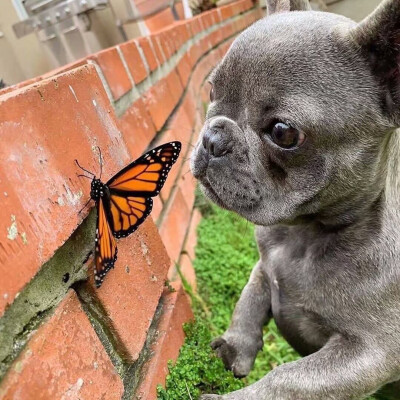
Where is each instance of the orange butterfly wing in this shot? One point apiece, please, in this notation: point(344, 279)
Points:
point(128, 212)
point(146, 176)
point(106, 246)
point(132, 188)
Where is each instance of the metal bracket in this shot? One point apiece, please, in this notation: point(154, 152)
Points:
point(54, 14)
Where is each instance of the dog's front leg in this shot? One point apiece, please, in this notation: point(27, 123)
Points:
point(239, 345)
point(343, 369)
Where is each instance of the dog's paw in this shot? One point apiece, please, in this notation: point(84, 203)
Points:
point(236, 355)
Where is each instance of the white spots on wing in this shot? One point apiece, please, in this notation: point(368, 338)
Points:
point(12, 229)
point(94, 102)
point(73, 92)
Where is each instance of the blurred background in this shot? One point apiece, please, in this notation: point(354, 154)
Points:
point(37, 36)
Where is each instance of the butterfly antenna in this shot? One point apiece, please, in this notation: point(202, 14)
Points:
point(83, 169)
point(101, 162)
point(84, 206)
point(88, 177)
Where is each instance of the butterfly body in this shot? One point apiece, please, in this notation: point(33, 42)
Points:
point(97, 189)
point(125, 201)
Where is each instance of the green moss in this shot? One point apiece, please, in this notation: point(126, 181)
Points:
point(225, 255)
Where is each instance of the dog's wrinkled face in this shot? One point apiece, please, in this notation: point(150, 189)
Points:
point(295, 124)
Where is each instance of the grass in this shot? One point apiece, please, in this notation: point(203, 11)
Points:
point(225, 254)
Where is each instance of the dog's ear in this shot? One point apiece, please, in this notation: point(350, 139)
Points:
point(276, 6)
point(378, 37)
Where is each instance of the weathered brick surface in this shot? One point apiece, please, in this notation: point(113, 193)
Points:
point(148, 51)
point(191, 239)
point(176, 311)
point(131, 291)
point(40, 191)
point(157, 208)
point(155, 40)
point(188, 271)
point(134, 61)
point(137, 128)
point(174, 225)
point(159, 102)
point(114, 71)
point(63, 360)
point(187, 183)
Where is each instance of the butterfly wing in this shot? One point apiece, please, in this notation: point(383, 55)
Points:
point(146, 176)
point(128, 212)
point(106, 246)
point(132, 188)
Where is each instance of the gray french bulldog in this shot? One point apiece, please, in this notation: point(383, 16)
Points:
point(300, 138)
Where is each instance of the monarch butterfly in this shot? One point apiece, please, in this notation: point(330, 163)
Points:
point(125, 201)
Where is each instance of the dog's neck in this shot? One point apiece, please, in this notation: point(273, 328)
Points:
point(380, 203)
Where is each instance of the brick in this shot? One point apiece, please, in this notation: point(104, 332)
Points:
point(179, 129)
point(191, 238)
point(149, 54)
point(187, 184)
point(184, 31)
point(228, 30)
point(226, 12)
point(131, 291)
point(167, 42)
point(176, 312)
point(159, 102)
point(189, 105)
point(137, 128)
point(188, 271)
point(114, 71)
point(157, 208)
point(155, 40)
point(207, 19)
point(160, 20)
point(64, 359)
point(216, 37)
point(174, 225)
point(184, 69)
point(134, 61)
point(195, 52)
point(195, 25)
point(174, 85)
point(40, 192)
point(217, 16)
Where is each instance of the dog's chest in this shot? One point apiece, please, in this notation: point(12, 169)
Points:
point(299, 294)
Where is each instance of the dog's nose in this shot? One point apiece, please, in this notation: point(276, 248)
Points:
point(215, 141)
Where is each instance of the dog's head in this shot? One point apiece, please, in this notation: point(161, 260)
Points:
point(301, 109)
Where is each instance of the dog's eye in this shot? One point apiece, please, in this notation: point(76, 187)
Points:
point(212, 94)
point(286, 136)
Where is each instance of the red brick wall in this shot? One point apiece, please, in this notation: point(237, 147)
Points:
point(60, 337)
